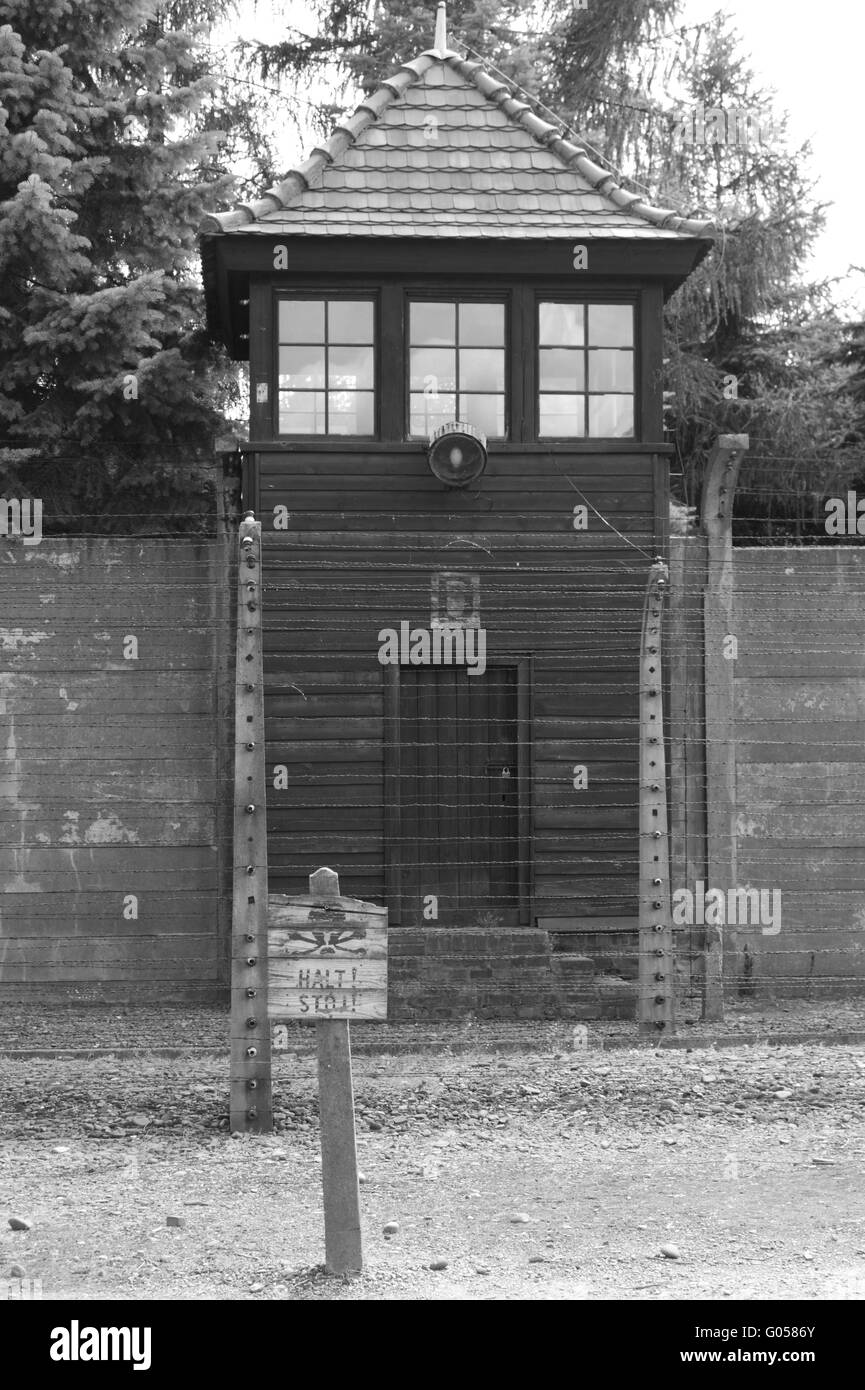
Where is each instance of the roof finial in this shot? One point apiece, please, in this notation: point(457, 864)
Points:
point(440, 43)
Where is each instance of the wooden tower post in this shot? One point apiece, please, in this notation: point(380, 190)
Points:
point(656, 1003)
point(251, 1088)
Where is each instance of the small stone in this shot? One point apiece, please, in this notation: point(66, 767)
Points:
point(256, 1288)
point(669, 1139)
point(605, 1143)
point(373, 1124)
point(362, 1177)
point(18, 1223)
point(520, 1218)
point(670, 1252)
point(175, 1220)
point(823, 1162)
point(668, 1105)
point(61, 1149)
point(782, 1095)
point(439, 1264)
point(390, 1228)
point(537, 1260)
point(482, 1269)
point(17, 1272)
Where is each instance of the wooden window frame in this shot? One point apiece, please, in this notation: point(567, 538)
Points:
point(391, 294)
point(357, 294)
point(525, 773)
point(586, 299)
point(446, 294)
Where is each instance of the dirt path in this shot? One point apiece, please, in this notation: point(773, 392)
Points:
point(608, 1156)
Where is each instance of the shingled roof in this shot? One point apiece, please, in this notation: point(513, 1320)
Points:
point(442, 149)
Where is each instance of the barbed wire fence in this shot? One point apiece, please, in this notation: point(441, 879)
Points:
point(117, 772)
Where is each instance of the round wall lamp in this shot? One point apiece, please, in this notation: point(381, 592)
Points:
point(457, 454)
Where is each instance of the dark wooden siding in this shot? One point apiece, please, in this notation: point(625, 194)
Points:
point(366, 531)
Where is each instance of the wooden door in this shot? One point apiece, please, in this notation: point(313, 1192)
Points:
point(460, 770)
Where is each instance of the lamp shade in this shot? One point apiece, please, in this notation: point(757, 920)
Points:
point(457, 454)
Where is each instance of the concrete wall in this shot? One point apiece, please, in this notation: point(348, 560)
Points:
point(115, 768)
point(800, 759)
point(792, 794)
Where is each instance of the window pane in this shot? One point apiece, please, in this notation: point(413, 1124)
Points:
point(350, 412)
point(563, 416)
point(611, 371)
point(562, 369)
point(482, 325)
point(433, 325)
point(301, 320)
point(486, 413)
point(427, 412)
point(611, 325)
point(432, 369)
point(349, 321)
point(350, 367)
point(301, 367)
point(562, 325)
point(611, 416)
point(301, 412)
point(482, 369)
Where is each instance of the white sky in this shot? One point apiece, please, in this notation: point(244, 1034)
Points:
point(812, 55)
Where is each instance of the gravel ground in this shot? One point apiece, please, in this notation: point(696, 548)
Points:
point(749, 1161)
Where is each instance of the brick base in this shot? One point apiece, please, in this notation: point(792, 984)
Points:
point(495, 973)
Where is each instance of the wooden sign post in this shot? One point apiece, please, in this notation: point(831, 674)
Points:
point(655, 1010)
point(327, 964)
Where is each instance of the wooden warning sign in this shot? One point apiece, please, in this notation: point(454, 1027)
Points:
point(327, 955)
point(327, 965)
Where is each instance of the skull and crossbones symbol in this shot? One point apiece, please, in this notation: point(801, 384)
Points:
point(328, 942)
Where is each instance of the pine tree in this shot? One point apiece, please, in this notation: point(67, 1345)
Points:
point(850, 352)
point(114, 141)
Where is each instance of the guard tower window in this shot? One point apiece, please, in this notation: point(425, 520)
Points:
point(585, 371)
point(456, 366)
point(326, 372)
